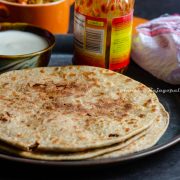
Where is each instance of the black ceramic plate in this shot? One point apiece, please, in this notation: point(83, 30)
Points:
point(62, 55)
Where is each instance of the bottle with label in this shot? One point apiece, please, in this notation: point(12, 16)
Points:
point(102, 33)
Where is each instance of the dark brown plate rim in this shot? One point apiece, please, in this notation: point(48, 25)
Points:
point(123, 159)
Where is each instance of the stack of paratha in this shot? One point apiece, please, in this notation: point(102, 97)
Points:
point(77, 112)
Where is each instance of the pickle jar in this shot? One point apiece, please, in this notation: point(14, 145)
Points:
point(102, 33)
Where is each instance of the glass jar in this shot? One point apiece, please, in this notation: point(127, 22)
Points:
point(102, 33)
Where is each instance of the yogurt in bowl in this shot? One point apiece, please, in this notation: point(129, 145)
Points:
point(15, 42)
point(24, 46)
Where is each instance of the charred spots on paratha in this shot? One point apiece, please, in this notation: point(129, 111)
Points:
point(153, 110)
point(5, 117)
point(147, 103)
point(92, 122)
point(62, 89)
point(42, 71)
point(88, 75)
point(39, 86)
point(109, 73)
point(34, 146)
point(124, 115)
point(131, 121)
point(159, 118)
point(28, 125)
point(128, 80)
point(141, 87)
point(54, 140)
point(113, 135)
point(71, 74)
point(64, 76)
point(13, 78)
point(70, 67)
point(56, 69)
point(4, 85)
point(142, 115)
point(127, 106)
point(19, 135)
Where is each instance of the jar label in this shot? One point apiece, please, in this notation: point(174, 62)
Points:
point(120, 47)
point(102, 43)
point(90, 39)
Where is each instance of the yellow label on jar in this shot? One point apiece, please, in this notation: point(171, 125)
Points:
point(120, 47)
point(95, 23)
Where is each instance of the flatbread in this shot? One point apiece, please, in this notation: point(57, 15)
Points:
point(69, 156)
point(139, 142)
point(72, 108)
point(145, 142)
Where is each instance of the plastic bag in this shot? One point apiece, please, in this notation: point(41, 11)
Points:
point(156, 48)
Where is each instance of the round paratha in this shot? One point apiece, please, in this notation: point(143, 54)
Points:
point(139, 142)
point(72, 108)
